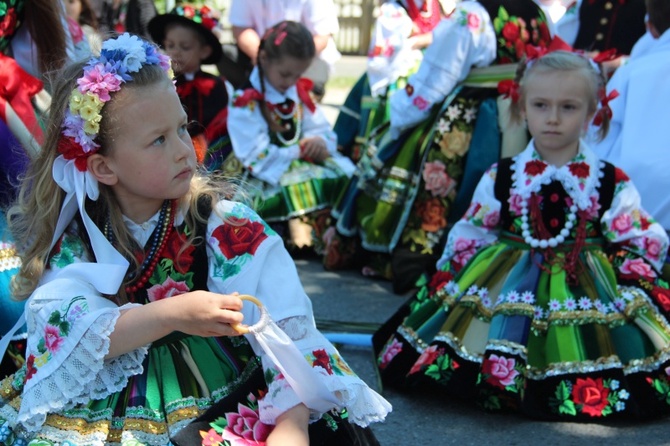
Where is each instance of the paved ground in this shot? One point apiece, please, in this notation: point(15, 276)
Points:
point(427, 419)
point(419, 419)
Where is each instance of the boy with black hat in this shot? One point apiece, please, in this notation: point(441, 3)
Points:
point(185, 33)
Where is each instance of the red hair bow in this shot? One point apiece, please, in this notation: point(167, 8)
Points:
point(202, 85)
point(304, 87)
point(249, 95)
point(510, 89)
point(605, 110)
point(556, 44)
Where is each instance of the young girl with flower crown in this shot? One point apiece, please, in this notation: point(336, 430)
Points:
point(547, 298)
point(133, 274)
point(282, 138)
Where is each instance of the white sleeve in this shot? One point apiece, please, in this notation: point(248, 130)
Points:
point(390, 54)
point(567, 26)
point(479, 227)
point(240, 14)
point(249, 135)
point(320, 17)
point(260, 265)
point(69, 324)
point(463, 40)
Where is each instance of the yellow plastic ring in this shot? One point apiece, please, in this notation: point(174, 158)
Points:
point(243, 329)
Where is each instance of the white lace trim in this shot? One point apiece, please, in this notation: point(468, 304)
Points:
point(364, 405)
point(83, 376)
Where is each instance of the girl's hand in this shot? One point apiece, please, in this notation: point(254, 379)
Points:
point(198, 313)
point(314, 149)
point(291, 428)
point(202, 313)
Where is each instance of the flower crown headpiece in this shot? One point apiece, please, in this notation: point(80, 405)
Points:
point(103, 75)
point(202, 16)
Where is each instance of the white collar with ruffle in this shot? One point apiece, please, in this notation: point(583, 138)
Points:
point(579, 177)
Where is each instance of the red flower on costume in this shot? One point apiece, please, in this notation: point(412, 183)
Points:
point(535, 167)
point(591, 394)
point(662, 297)
point(182, 259)
point(439, 280)
point(511, 32)
point(239, 236)
point(321, 359)
point(501, 370)
point(580, 170)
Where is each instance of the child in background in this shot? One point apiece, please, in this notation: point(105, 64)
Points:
point(80, 13)
point(284, 140)
point(185, 34)
point(547, 298)
point(402, 30)
point(132, 276)
point(638, 139)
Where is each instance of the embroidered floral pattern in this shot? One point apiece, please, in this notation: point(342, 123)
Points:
point(58, 328)
point(391, 349)
point(241, 428)
point(514, 34)
point(595, 397)
point(440, 176)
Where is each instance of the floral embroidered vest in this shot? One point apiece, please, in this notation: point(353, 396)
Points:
point(554, 199)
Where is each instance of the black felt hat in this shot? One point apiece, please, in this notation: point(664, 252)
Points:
point(198, 19)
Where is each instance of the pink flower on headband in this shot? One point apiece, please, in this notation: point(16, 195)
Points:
point(100, 81)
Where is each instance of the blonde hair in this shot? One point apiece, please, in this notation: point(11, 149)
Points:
point(562, 61)
point(40, 195)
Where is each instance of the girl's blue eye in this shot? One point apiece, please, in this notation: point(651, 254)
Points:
point(158, 141)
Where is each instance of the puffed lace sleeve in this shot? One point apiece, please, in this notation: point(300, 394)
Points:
point(249, 135)
point(479, 226)
point(69, 323)
point(463, 40)
point(640, 243)
point(246, 256)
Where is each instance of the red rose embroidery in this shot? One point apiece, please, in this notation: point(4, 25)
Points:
point(662, 297)
point(432, 214)
point(237, 239)
point(439, 280)
point(580, 170)
point(591, 394)
point(321, 359)
point(510, 32)
point(182, 259)
point(535, 167)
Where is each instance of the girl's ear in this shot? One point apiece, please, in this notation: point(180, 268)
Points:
point(98, 167)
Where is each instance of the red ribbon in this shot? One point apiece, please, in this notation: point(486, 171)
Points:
point(304, 87)
point(202, 85)
point(605, 110)
point(510, 89)
point(556, 44)
point(247, 96)
point(16, 88)
point(605, 56)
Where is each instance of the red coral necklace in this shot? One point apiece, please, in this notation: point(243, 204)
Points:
point(158, 242)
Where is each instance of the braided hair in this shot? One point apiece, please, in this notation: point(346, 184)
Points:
point(285, 39)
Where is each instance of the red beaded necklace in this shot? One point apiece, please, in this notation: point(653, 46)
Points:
point(159, 240)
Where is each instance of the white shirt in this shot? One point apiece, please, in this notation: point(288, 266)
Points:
point(319, 16)
point(639, 138)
